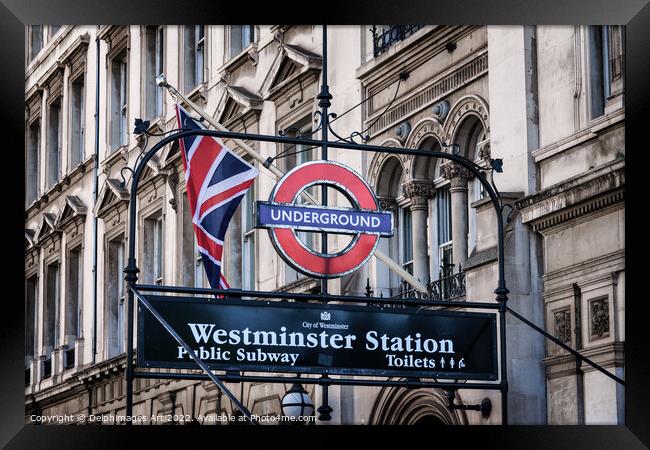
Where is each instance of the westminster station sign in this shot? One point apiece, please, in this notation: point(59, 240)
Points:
point(274, 336)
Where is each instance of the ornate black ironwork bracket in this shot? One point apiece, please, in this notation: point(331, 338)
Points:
point(128, 169)
point(485, 407)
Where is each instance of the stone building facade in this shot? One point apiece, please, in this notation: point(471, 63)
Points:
point(547, 100)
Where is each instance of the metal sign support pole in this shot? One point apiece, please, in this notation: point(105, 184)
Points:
point(324, 98)
point(193, 355)
point(131, 270)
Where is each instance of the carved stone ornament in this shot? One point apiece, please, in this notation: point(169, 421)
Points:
point(599, 317)
point(172, 181)
point(563, 325)
point(484, 151)
point(387, 203)
point(419, 191)
point(456, 174)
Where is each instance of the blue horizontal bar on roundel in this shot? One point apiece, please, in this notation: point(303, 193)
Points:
point(319, 218)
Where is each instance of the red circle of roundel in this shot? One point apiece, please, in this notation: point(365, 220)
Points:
point(288, 189)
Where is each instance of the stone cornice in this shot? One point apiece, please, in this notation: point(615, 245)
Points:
point(450, 80)
point(607, 355)
point(580, 136)
point(607, 263)
point(575, 197)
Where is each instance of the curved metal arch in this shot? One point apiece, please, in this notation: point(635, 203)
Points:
point(131, 270)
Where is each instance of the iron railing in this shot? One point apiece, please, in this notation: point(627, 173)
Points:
point(449, 286)
point(383, 38)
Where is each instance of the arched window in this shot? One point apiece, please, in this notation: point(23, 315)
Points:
point(389, 190)
point(470, 134)
point(424, 174)
point(441, 235)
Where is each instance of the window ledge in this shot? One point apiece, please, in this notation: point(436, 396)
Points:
point(114, 156)
point(249, 53)
point(47, 49)
point(50, 194)
point(587, 133)
point(197, 91)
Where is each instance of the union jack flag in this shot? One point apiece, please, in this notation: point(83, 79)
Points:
point(216, 180)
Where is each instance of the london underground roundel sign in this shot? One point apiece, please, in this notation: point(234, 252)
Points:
point(284, 216)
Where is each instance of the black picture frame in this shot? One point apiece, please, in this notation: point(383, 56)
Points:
point(635, 14)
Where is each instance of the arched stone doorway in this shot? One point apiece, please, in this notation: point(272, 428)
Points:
point(429, 420)
point(404, 406)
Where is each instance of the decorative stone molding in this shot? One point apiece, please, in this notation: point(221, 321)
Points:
point(73, 213)
point(378, 161)
point(75, 56)
point(111, 196)
point(33, 106)
point(172, 181)
point(419, 192)
point(55, 85)
point(575, 197)
point(423, 129)
point(387, 204)
point(429, 95)
point(456, 174)
point(167, 402)
point(47, 228)
point(237, 102)
point(562, 325)
point(484, 151)
point(279, 78)
point(606, 355)
point(599, 317)
point(465, 106)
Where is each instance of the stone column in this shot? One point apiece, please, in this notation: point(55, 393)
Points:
point(458, 176)
point(419, 192)
point(382, 276)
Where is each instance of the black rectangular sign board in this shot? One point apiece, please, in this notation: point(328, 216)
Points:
point(274, 336)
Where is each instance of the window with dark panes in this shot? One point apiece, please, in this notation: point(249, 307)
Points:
point(154, 66)
point(50, 328)
point(74, 296)
point(443, 204)
point(240, 37)
point(53, 143)
point(77, 122)
point(36, 40)
point(114, 306)
point(153, 249)
point(32, 163)
point(118, 102)
point(194, 56)
point(31, 303)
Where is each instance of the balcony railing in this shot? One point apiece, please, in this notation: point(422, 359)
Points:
point(449, 286)
point(383, 38)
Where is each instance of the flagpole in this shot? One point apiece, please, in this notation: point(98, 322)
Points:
point(392, 265)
